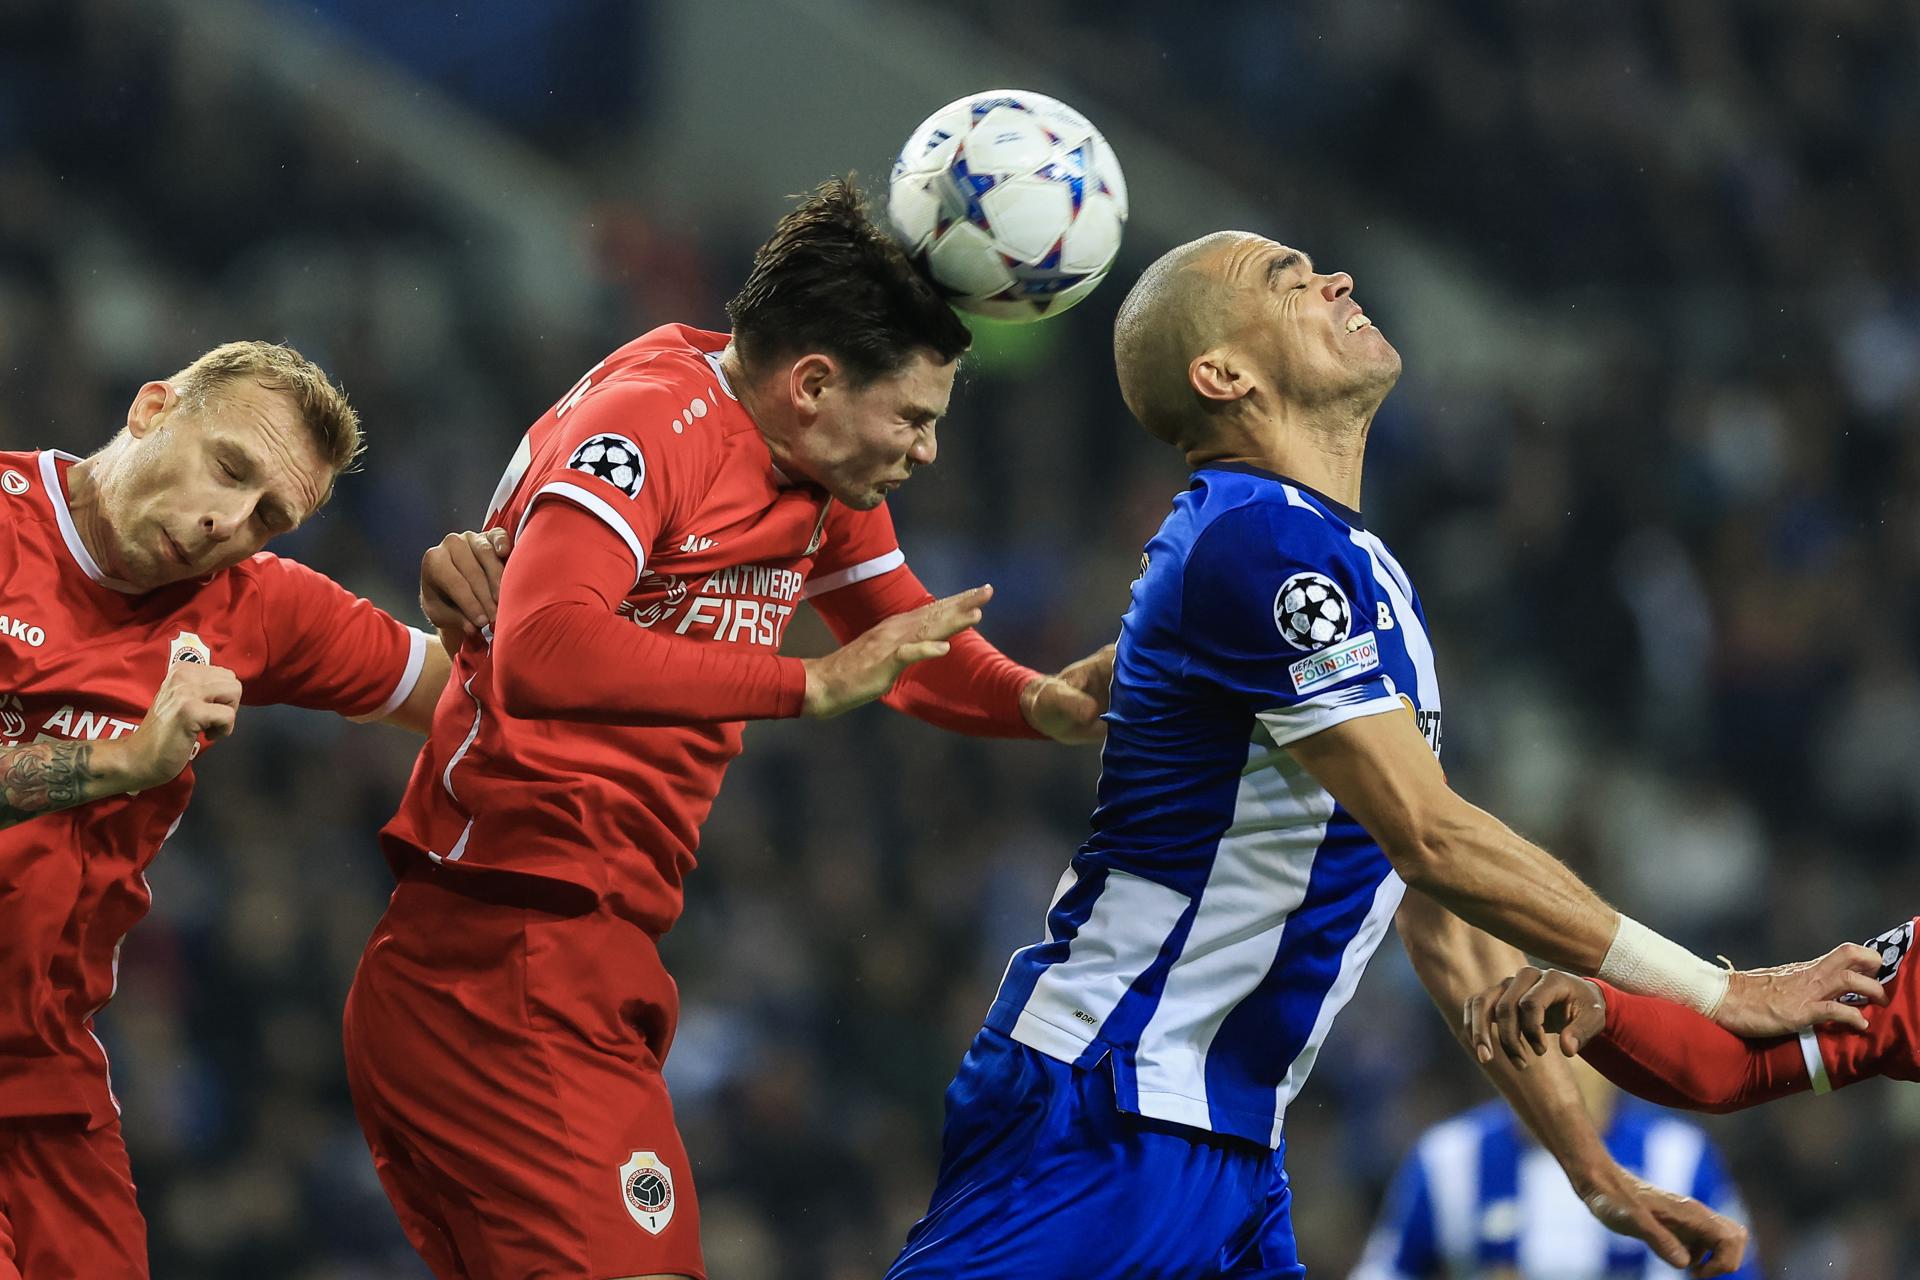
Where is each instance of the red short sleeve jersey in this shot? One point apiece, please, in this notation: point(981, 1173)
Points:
point(653, 442)
point(80, 659)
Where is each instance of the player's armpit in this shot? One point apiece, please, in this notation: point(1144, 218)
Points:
point(1382, 771)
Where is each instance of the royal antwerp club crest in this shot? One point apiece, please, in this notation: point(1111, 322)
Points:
point(646, 1188)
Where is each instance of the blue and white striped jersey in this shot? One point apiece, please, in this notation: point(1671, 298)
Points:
point(1478, 1199)
point(1223, 909)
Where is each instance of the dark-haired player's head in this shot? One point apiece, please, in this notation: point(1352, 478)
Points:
point(242, 444)
point(1229, 335)
point(848, 351)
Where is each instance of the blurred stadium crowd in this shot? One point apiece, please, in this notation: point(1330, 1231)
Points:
point(1675, 584)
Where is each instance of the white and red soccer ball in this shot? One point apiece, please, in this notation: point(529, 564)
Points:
point(1011, 202)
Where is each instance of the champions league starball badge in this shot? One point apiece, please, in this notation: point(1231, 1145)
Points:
point(1311, 612)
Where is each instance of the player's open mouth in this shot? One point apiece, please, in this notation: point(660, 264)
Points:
point(1358, 321)
point(174, 549)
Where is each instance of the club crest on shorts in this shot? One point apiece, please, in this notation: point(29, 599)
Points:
point(646, 1188)
point(615, 459)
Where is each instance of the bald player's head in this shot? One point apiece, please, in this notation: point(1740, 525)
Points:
point(1178, 308)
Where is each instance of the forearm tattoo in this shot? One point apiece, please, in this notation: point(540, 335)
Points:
point(39, 777)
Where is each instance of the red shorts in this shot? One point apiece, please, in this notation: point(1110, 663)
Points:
point(67, 1208)
point(505, 1065)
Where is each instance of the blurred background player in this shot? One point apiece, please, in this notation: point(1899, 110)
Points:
point(141, 614)
point(1477, 1199)
point(1269, 789)
point(1667, 1054)
point(506, 1028)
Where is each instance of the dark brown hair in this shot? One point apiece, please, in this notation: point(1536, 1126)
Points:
point(830, 280)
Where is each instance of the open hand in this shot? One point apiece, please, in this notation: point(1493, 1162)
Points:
point(865, 667)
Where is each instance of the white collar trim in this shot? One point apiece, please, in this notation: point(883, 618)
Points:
point(69, 532)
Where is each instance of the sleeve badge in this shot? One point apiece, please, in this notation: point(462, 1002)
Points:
point(1312, 612)
point(614, 459)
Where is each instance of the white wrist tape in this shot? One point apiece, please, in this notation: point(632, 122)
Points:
point(1643, 962)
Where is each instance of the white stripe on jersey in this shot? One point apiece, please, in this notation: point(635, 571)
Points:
point(1451, 1156)
point(1130, 922)
point(1353, 963)
point(1388, 573)
point(600, 507)
point(857, 573)
point(1258, 879)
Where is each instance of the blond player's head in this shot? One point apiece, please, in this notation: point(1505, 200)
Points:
point(242, 444)
point(1230, 334)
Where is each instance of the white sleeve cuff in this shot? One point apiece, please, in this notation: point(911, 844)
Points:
point(417, 642)
point(1816, 1062)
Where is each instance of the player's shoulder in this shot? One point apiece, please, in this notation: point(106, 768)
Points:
point(1236, 527)
point(1228, 502)
point(667, 383)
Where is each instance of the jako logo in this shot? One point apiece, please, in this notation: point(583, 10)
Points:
point(21, 629)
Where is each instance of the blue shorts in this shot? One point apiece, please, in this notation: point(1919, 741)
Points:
point(1043, 1176)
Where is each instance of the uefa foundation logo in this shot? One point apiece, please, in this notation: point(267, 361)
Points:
point(646, 1188)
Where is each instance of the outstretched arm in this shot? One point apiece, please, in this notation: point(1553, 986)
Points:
point(1452, 959)
point(1381, 770)
point(561, 651)
point(1675, 1057)
point(974, 689)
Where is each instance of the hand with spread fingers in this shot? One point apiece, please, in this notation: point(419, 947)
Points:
point(865, 667)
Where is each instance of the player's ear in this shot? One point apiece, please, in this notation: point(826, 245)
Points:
point(811, 378)
point(1218, 375)
point(149, 404)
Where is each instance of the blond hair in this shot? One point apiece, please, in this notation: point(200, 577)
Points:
point(277, 367)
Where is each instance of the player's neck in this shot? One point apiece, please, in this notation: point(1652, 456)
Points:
point(1326, 456)
point(87, 504)
point(754, 405)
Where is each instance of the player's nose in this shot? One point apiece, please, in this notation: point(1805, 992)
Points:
point(925, 449)
point(221, 525)
point(1336, 286)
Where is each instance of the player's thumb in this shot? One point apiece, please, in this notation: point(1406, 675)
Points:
point(919, 651)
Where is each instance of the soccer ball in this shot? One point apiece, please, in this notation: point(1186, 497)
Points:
point(1012, 202)
point(1312, 612)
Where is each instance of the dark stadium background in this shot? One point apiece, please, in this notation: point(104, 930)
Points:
point(1655, 465)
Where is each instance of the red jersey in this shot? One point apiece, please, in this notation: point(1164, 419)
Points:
point(723, 547)
point(81, 659)
point(1674, 1056)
